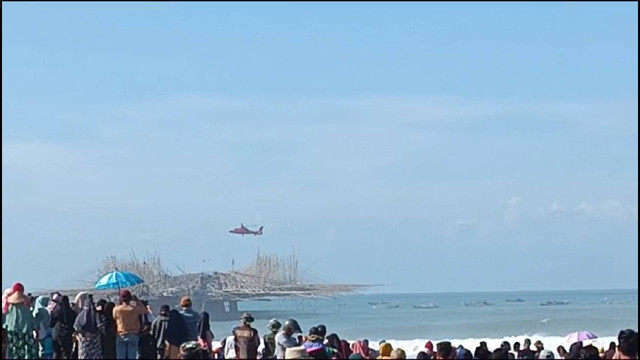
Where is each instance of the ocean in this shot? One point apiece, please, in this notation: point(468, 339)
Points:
point(352, 317)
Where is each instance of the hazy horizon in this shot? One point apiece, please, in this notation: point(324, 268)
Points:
point(429, 146)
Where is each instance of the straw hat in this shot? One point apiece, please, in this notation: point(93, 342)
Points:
point(18, 298)
point(297, 352)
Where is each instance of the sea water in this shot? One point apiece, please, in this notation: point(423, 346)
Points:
point(352, 317)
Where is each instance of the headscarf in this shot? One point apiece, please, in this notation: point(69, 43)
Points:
point(110, 323)
point(360, 347)
point(54, 301)
point(87, 321)
point(333, 341)
point(80, 301)
point(68, 315)
point(345, 349)
point(176, 328)
point(385, 351)
point(40, 312)
point(5, 303)
point(203, 325)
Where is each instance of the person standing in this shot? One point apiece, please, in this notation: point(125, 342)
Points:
point(246, 338)
point(159, 329)
point(127, 325)
point(269, 349)
point(205, 335)
point(86, 327)
point(176, 334)
point(19, 325)
point(42, 316)
point(285, 339)
point(62, 320)
point(191, 318)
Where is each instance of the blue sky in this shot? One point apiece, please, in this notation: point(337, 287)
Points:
point(426, 146)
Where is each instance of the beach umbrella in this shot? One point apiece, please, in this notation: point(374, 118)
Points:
point(117, 280)
point(580, 336)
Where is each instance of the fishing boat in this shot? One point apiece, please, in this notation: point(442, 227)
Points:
point(518, 300)
point(426, 306)
point(553, 303)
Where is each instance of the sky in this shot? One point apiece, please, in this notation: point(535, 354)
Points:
point(423, 147)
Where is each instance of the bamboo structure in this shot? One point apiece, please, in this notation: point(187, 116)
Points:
point(267, 276)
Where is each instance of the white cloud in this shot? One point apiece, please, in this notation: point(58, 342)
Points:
point(557, 209)
point(514, 200)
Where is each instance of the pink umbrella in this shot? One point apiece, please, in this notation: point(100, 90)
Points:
point(580, 336)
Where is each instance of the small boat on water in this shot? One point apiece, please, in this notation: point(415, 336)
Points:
point(518, 300)
point(477, 303)
point(386, 305)
point(426, 306)
point(553, 303)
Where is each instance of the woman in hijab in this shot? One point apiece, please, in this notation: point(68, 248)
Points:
point(109, 339)
point(574, 350)
point(385, 351)
point(41, 316)
point(61, 321)
point(205, 336)
point(176, 334)
point(333, 346)
point(361, 347)
point(86, 327)
point(20, 324)
point(345, 349)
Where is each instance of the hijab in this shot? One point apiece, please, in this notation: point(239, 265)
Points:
point(345, 349)
point(385, 351)
point(80, 301)
point(360, 347)
point(110, 323)
point(176, 328)
point(333, 341)
point(40, 312)
point(203, 325)
point(53, 302)
point(68, 315)
point(87, 322)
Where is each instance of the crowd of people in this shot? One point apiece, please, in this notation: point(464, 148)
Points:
point(53, 327)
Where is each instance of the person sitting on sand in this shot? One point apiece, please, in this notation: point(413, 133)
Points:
point(362, 348)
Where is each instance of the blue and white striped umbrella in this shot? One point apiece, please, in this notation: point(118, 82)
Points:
point(117, 280)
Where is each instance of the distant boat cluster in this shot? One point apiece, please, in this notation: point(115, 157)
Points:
point(481, 303)
point(552, 303)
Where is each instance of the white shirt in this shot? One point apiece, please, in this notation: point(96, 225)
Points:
point(230, 348)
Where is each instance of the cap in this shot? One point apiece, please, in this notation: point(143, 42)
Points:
point(247, 317)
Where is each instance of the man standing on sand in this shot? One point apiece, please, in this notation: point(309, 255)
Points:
point(190, 317)
point(246, 339)
point(285, 339)
point(127, 321)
